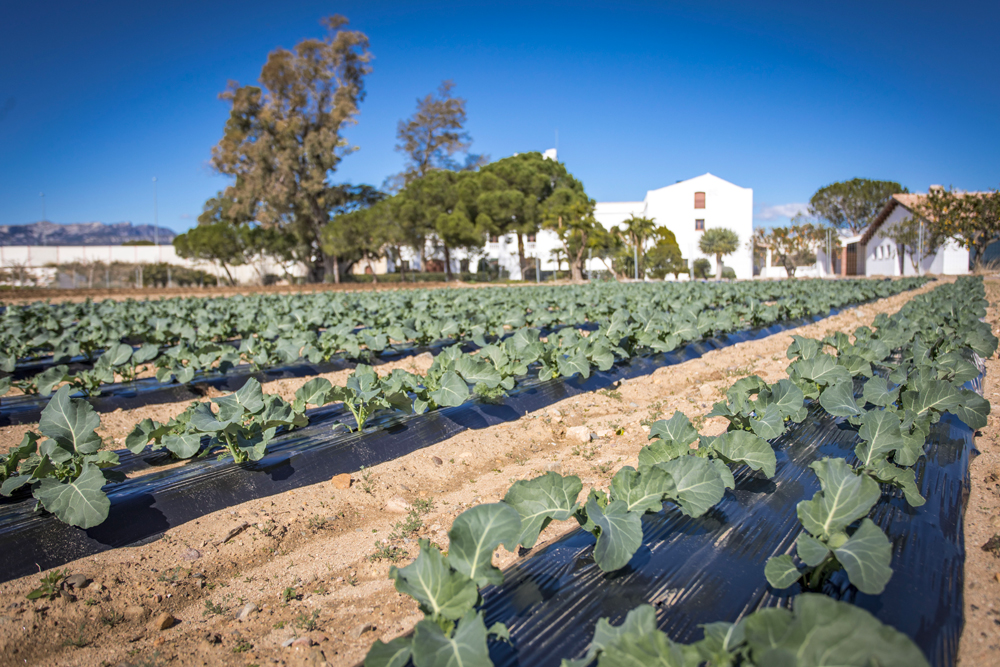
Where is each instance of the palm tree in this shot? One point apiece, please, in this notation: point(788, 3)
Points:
point(719, 241)
point(637, 230)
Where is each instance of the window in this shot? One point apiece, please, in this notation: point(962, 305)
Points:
point(494, 238)
point(699, 200)
point(531, 238)
point(699, 225)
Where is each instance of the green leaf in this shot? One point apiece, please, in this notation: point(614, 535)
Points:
point(746, 448)
point(12, 484)
point(620, 534)
point(569, 366)
point(642, 492)
point(440, 590)
point(660, 451)
point(183, 446)
point(937, 395)
point(475, 535)
point(474, 371)
point(806, 348)
point(677, 430)
point(972, 409)
point(823, 370)
point(781, 572)
point(313, 392)
point(699, 486)
point(789, 400)
point(880, 433)
point(452, 390)
point(541, 500)
point(394, 654)
point(71, 423)
point(147, 352)
point(79, 502)
point(117, 354)
point(820, 631)
point(904, 479)
point(466, 648)
point(49, 378)
point(768, 424)
point(811, 551)
point(838, 400)
point(640, 620)
point(865, 557)
point(845, 498)
point(877, 392)
point(203, 419)
point(248, 400)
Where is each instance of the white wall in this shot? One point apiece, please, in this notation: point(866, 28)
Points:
point(882, 254)
point(41, 256)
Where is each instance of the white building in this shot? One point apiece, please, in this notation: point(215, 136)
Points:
point(880, 256)
point(687, 208)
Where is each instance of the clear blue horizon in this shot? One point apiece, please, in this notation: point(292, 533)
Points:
point(96, 99)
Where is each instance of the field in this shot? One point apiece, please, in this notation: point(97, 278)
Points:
point(459, 418)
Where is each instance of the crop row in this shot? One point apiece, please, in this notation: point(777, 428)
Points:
point(178, 338)
point(934, 336)
point(66, 471)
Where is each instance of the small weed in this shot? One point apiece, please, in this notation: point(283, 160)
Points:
point(78, 641)
point(307, 622)
point(242, 646)
point(367, 482)
point(423, 506)
point(603, 468)
point(321, 589)
point(612, 393)
point(213, 609)
point(170, 575)
point(352, 580)
point(90, 602)
point(49, 587)
point(317, 522)
point(113, 618)
point(279, 625)
point(267, 528)
point(388, 552)
point(288, 595)
point(407, 527)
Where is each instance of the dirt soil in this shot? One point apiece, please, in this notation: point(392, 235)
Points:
point(302, 578)
point(980, 643)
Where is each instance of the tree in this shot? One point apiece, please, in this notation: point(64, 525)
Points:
point(570, 214)
point(853, 204)
point(971, 218)
point(795, 245)
point(559, 256)
point(636, 231)
point(915, 236)
point(514, 195)
point(284, 139)
point(442, 205)
point(665, 255)
point(433, 136)
point(719, 241)
point(214, 242)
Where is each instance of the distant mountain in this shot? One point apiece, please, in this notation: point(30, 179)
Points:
point(80, 233)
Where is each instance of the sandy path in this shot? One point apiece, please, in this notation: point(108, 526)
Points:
point(981, 637)
point(307, 563)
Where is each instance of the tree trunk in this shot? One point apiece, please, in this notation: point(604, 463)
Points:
point(372, 267)
point(718, 267)
point(447, 262)
point(423, 256)
point(576, 263)
point(902, 258)
point(520, 253)
point(228, 274)
point(336, 270)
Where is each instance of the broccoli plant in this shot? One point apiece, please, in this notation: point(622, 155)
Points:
point(66, 471)
point(845, 499)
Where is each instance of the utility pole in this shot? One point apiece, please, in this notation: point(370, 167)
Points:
point(635, 260)
point(156, 228)
point(538, 270)
point(920, 250)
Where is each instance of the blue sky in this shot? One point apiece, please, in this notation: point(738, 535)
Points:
point(97, 98)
